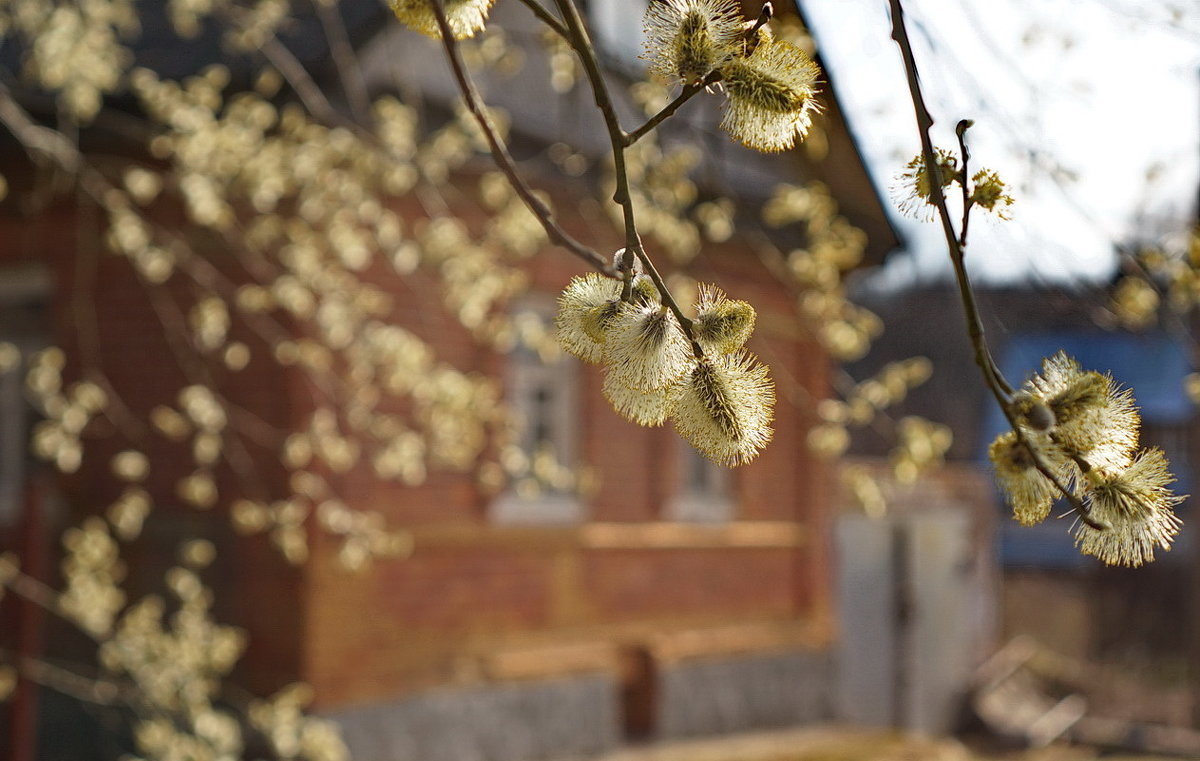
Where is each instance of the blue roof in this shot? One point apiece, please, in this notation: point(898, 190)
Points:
point(1153, 364)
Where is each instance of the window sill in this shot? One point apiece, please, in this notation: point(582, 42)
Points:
point(547, 510)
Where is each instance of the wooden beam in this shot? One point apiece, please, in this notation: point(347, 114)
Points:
point(663, 535)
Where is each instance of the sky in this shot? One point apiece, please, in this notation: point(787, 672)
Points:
point(1090, 109)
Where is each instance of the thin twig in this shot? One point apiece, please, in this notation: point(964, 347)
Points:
point(983, 358)
point(303, 85)
point(578, 37)
point(501, 155)
point(67, 682)
point(342, 52)
point(750, 36)
point(582, 44)
point(36, 592)
point(964, 178)
point(688, 92)
point(547, 18)
point(306, 88)
point(87, 321)
point(42, 141)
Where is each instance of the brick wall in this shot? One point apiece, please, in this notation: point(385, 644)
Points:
point(473, 594)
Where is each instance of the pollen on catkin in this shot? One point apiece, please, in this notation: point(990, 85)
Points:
point(990, 193)
point(645, 347)
point(772, 96)
point(1084, 427)
point(1138, 507)
point(912, 188)
point(1030, 494)
point(724, 408)
point(686, 40)
point(751, 40)
point(722, 325)
point(585, 308)
point(650, 408)
point(1093, 418)
point(465, 17)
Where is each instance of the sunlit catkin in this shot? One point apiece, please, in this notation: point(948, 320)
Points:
point(991, 193)
point(584, 308)
point(1029, 493)
point(1093, 418)
point(465, 17)
point(1084, 428)
point(772, 96)
point(1138, 509)
point(912, 188)
point(724, 408)
point(722, 325)
point(649, 408)
point(688, 39)
point(645, 348)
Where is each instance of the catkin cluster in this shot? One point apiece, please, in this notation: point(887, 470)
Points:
point(465, 17)
point(912, 188)
point(719, 397)
point(770, 83)
point(1083, 429)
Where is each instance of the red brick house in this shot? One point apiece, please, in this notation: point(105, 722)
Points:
point(676, 599)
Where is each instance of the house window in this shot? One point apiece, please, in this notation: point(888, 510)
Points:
point(704, 490)
point(542, 392)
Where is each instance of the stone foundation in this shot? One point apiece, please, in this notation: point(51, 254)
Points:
point(718, 696)
point(514, 722)
point(582, 716)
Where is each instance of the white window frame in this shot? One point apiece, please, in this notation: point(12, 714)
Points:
point(527, 374)
point(703, 491)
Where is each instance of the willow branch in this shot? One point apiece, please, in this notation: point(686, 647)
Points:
point(578, 37)
point(342, 52)
point(87, 321)
point(502, 157)
point(993, 379)
point(547, 18)
point(633, 244)
point(39, 140)
point(42, 595)
point(302, 84)
point(964, 177)
point(688, 92)
point(1000, 388)
point(67, 682)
